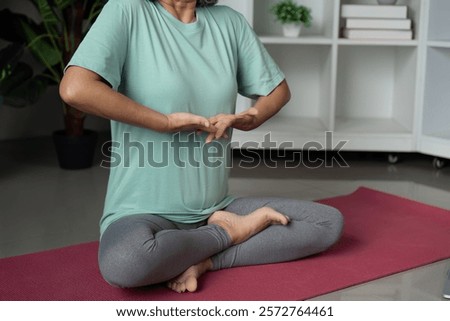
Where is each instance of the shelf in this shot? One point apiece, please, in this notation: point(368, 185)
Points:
point(440, 135)
point(302, 40)
point(308, 72)
point(415, 8)
point(294, 125)
point(285, 132)
point(439, 44)
point(265, 24)
point(371, 134)
point(303, 133)
point(370, 126)
point(376, 83)
point(369, 93)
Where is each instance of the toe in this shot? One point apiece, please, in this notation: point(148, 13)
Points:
point(191, 284)
point(171, 285)
point(180, 287)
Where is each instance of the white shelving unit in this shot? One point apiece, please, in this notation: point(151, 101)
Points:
point(378, 95)
point(435, 114)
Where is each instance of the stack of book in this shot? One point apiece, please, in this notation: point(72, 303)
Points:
point(376, 22)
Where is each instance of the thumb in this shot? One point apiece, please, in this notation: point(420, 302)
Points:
point(200, 121)
point(204, 124)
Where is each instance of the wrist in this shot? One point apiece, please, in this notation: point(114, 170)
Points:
point(248, 119)
point(166, 121)
point(156, 121)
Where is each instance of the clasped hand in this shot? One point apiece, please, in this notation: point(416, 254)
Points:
point(217, 126)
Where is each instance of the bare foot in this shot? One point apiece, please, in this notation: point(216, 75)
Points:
point(241, 228)
point(187, 281)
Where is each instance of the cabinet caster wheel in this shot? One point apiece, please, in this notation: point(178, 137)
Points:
point(393, 158)
point(438, 163)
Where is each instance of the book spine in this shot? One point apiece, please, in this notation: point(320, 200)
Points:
point(371, 11)
point(398, 24)
point(362, 34)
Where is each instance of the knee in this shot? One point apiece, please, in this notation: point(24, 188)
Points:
point(121, 270)
point(335, 226)
point(115, 270)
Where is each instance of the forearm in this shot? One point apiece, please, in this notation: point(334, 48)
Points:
point(265, 108)
point(87, 92)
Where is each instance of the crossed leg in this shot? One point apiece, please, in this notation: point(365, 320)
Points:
point(312, 229)
point(239, 228)
point(146, 249)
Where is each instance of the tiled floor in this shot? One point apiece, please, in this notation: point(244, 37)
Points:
point(43, 206)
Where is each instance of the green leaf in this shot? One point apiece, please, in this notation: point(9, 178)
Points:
point(62, 4)
point(41, 48)
point(21, 73)
point(5, 72)
point(46, 12)
point(27, 93)
point(288, 11)
point(45, 41)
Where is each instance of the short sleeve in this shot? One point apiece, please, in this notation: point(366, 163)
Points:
point(258, 74)
point(103, 50)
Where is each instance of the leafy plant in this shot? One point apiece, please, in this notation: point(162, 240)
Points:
point(287, 11)
point(19, 86)
point(52, 42)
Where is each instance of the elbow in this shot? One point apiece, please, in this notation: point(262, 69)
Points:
point(68, 91)
point(286, 92)
point(75, 86)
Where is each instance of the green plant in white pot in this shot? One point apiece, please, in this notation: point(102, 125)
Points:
point(292, 16)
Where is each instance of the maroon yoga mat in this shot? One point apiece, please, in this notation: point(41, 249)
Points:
point(383, 235)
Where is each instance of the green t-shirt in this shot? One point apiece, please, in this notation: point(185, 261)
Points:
point(148, 55)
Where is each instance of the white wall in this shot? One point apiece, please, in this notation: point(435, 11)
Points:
point(45, 116)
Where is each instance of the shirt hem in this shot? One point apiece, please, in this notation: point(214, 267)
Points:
point(203, 215)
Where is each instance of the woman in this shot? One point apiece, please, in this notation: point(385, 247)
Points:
point(161, 70)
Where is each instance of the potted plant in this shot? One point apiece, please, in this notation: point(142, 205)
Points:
point(52, 42)
point(292, 16)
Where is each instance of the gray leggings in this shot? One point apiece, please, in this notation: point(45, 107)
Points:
point(147, 249)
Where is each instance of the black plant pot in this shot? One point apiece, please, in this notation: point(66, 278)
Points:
point(75, 152)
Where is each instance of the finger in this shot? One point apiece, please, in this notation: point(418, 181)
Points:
point(210, 138)
point(199, 121)
point(213, 119)
point(220, 133)
point(216, 118)
point(225, 133)
point(203, 125)
point(210, 129)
